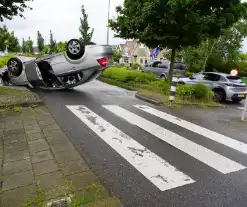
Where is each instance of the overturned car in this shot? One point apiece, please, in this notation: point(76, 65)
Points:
point(79, 64)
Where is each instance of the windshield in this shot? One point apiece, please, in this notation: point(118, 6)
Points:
point(234, 79)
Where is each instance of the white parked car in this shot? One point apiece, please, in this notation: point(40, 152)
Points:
point(77, 65)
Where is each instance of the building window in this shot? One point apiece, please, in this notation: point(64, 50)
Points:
point(146, 61)
point(141, 61)
point(126, 59)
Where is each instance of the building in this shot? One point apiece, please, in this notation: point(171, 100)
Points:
point(134, 52)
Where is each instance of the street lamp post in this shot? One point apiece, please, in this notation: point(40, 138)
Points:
point(109, 4)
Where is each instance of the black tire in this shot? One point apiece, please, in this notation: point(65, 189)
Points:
point(15, 66)
point(163, 77)
point(182, 83)
point(75, 49)
point(219, 95)
point(236, 101)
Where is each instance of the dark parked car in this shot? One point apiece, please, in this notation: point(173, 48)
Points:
point(161, 69)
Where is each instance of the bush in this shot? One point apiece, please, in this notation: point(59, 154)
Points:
point(188, 73)
point(198, 91)
point(126, 76)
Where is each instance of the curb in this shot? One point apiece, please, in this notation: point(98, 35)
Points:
point(137, 95)
point(159, 103)
point(22, 104)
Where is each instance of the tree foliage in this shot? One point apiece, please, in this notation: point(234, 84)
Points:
point(53, 44)
point(61, 46)
point(86, 34)
point(175, 23)
point(10, 8)
point(8, 38)
point(29, 45)
point(40, 41)
point(116, 55)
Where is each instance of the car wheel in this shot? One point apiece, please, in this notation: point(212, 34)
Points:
point(219, 95)
point(163, 77)
point(75, 49)
point(180, 82)
point(15, 66)
point(236, 101)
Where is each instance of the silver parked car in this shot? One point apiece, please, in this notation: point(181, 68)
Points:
point(161, 69)
point(224, 86)
point(77, 65)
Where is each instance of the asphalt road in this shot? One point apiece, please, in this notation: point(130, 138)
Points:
point(147, 157)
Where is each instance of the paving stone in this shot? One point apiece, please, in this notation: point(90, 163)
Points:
point(19, 196)
point(18, 180)
point(47, 122)
point(35, 136)
point(33, 131)
point(15, 156)
point(67, 156)
point(74, 167)
point(45, 167)
point(38, 145)
point(13, 127)
point(13, 132)
point(92, 193)
point(57, 192)
point(31, 126)
point(30, 122)
point(50, 179)
point(53, 133)
point(13, 122)
point(62, 147)
point(16, 167)
point(61, 140)
point(41, 156)
point(81, 180)
point(112, 202)
point(16, 138)
point(17, 146)
point(1, 153)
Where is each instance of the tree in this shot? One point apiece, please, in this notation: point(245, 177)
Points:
point(224, 48)
point(10, 8)
point(29, 45)
point(23, 46)
point(61, 46)
point(8, 39)
point(116, 55)
point(53, 44)
point(175, 23)
point(40, 42)
point(86, 34)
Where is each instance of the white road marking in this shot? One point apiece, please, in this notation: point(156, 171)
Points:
point(154, 168)
point(213, 159)
point(222, 139)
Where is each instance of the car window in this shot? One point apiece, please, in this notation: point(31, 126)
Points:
point(156, 64)
point(211, 77)
point(163, 65)
point(234, 79)
point(198, 76)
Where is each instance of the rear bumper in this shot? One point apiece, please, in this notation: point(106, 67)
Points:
point(238, 96)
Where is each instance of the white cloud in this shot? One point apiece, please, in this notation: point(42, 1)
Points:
point(63, 18)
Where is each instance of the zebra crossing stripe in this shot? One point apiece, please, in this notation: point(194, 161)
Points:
point(155, 169)
point(222, 139)
point(212, 159)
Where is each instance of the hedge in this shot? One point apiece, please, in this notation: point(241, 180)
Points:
point(138, 79)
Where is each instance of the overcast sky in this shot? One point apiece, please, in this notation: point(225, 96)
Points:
point(63, 18)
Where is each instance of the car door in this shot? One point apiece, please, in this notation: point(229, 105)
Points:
point(197, 78)
point(152, 68)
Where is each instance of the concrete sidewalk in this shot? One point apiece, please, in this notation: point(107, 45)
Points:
point(40, 165)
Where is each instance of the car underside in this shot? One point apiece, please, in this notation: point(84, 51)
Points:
point(78, 65)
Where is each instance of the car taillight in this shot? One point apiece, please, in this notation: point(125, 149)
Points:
point(102, 62)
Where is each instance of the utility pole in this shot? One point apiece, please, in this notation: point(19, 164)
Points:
point(109, 5)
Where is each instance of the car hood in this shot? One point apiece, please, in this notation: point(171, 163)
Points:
point(185, 79)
